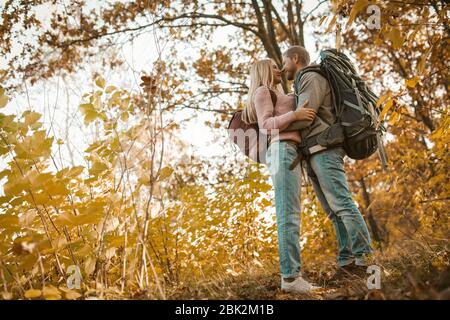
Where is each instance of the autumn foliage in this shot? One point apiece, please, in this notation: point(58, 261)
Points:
point(142, 217)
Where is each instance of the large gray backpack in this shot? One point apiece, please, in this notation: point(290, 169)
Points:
point(354, 105)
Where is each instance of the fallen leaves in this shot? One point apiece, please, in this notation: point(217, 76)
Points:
point(33, 293)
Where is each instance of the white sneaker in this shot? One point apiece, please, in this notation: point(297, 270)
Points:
point(299, 285)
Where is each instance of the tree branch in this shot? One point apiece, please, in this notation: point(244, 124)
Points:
point(241, 25)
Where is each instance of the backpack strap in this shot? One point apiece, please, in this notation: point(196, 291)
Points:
point(310, 145)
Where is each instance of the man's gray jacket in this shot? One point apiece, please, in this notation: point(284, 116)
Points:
point(314, 88)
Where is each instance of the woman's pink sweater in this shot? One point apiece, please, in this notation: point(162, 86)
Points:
point(284, 113)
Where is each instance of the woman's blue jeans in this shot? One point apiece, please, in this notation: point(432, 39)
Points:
point(286, 183)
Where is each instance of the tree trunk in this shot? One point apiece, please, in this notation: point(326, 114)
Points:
point(376, 232)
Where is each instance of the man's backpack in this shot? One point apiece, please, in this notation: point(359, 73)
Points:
point(354, 105)
point(250, 140)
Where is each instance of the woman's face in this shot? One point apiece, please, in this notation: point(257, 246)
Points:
point(276, 73)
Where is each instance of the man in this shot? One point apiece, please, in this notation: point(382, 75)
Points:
point(326, 167)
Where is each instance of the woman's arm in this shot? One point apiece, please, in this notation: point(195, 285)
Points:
point(264, 112)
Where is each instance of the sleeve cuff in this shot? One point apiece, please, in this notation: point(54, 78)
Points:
point(291, 116)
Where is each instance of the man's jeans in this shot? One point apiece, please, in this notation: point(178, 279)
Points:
point(326, 171)
point(287, 183)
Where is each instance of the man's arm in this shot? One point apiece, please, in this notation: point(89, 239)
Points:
point(312, 88)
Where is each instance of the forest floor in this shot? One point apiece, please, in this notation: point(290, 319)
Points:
point(419, 274)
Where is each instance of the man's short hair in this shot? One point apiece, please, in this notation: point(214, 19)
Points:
point(302, 54)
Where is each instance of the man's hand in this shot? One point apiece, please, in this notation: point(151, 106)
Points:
point(303, 113)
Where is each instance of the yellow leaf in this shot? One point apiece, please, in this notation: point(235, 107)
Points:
point(97, 168)
point(65, 219)
point(378, 41)
point(88, 218)
point(56, 188)
point(115, 241)
point(7, 295)
point(396, 37)
point(51, 293)
point(338, 37)
point(124, 116)
point(70, 294)
point(100, 82)
point(232, 272)
point(75, 171)
point(357, 7)
point(394, 118)
point(383, 99)
point(3, 101)
point(386, 108)
point(110, 252)
point(31, 117)
point(265, 202)
point(165, 173)
point(322, 19)
point(7, 220)
point(90, 114)
point(83, 251)
point(89, 266)
point(411, 82)
point(423, 60)
point(32, 293)
point(110, 89)
point(331, 24)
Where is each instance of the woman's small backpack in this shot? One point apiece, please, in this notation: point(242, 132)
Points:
point(250, 140)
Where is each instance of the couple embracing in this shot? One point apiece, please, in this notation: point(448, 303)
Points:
point(299, 118)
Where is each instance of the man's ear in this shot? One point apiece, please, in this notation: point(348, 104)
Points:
point(295, 58)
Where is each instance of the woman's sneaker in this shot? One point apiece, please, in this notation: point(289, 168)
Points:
point(299, 285)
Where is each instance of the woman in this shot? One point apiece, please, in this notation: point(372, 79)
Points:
point(264, 76)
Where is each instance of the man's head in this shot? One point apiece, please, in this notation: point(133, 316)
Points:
point(294, 59)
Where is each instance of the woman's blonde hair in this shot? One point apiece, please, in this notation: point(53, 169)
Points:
point(261, 74)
